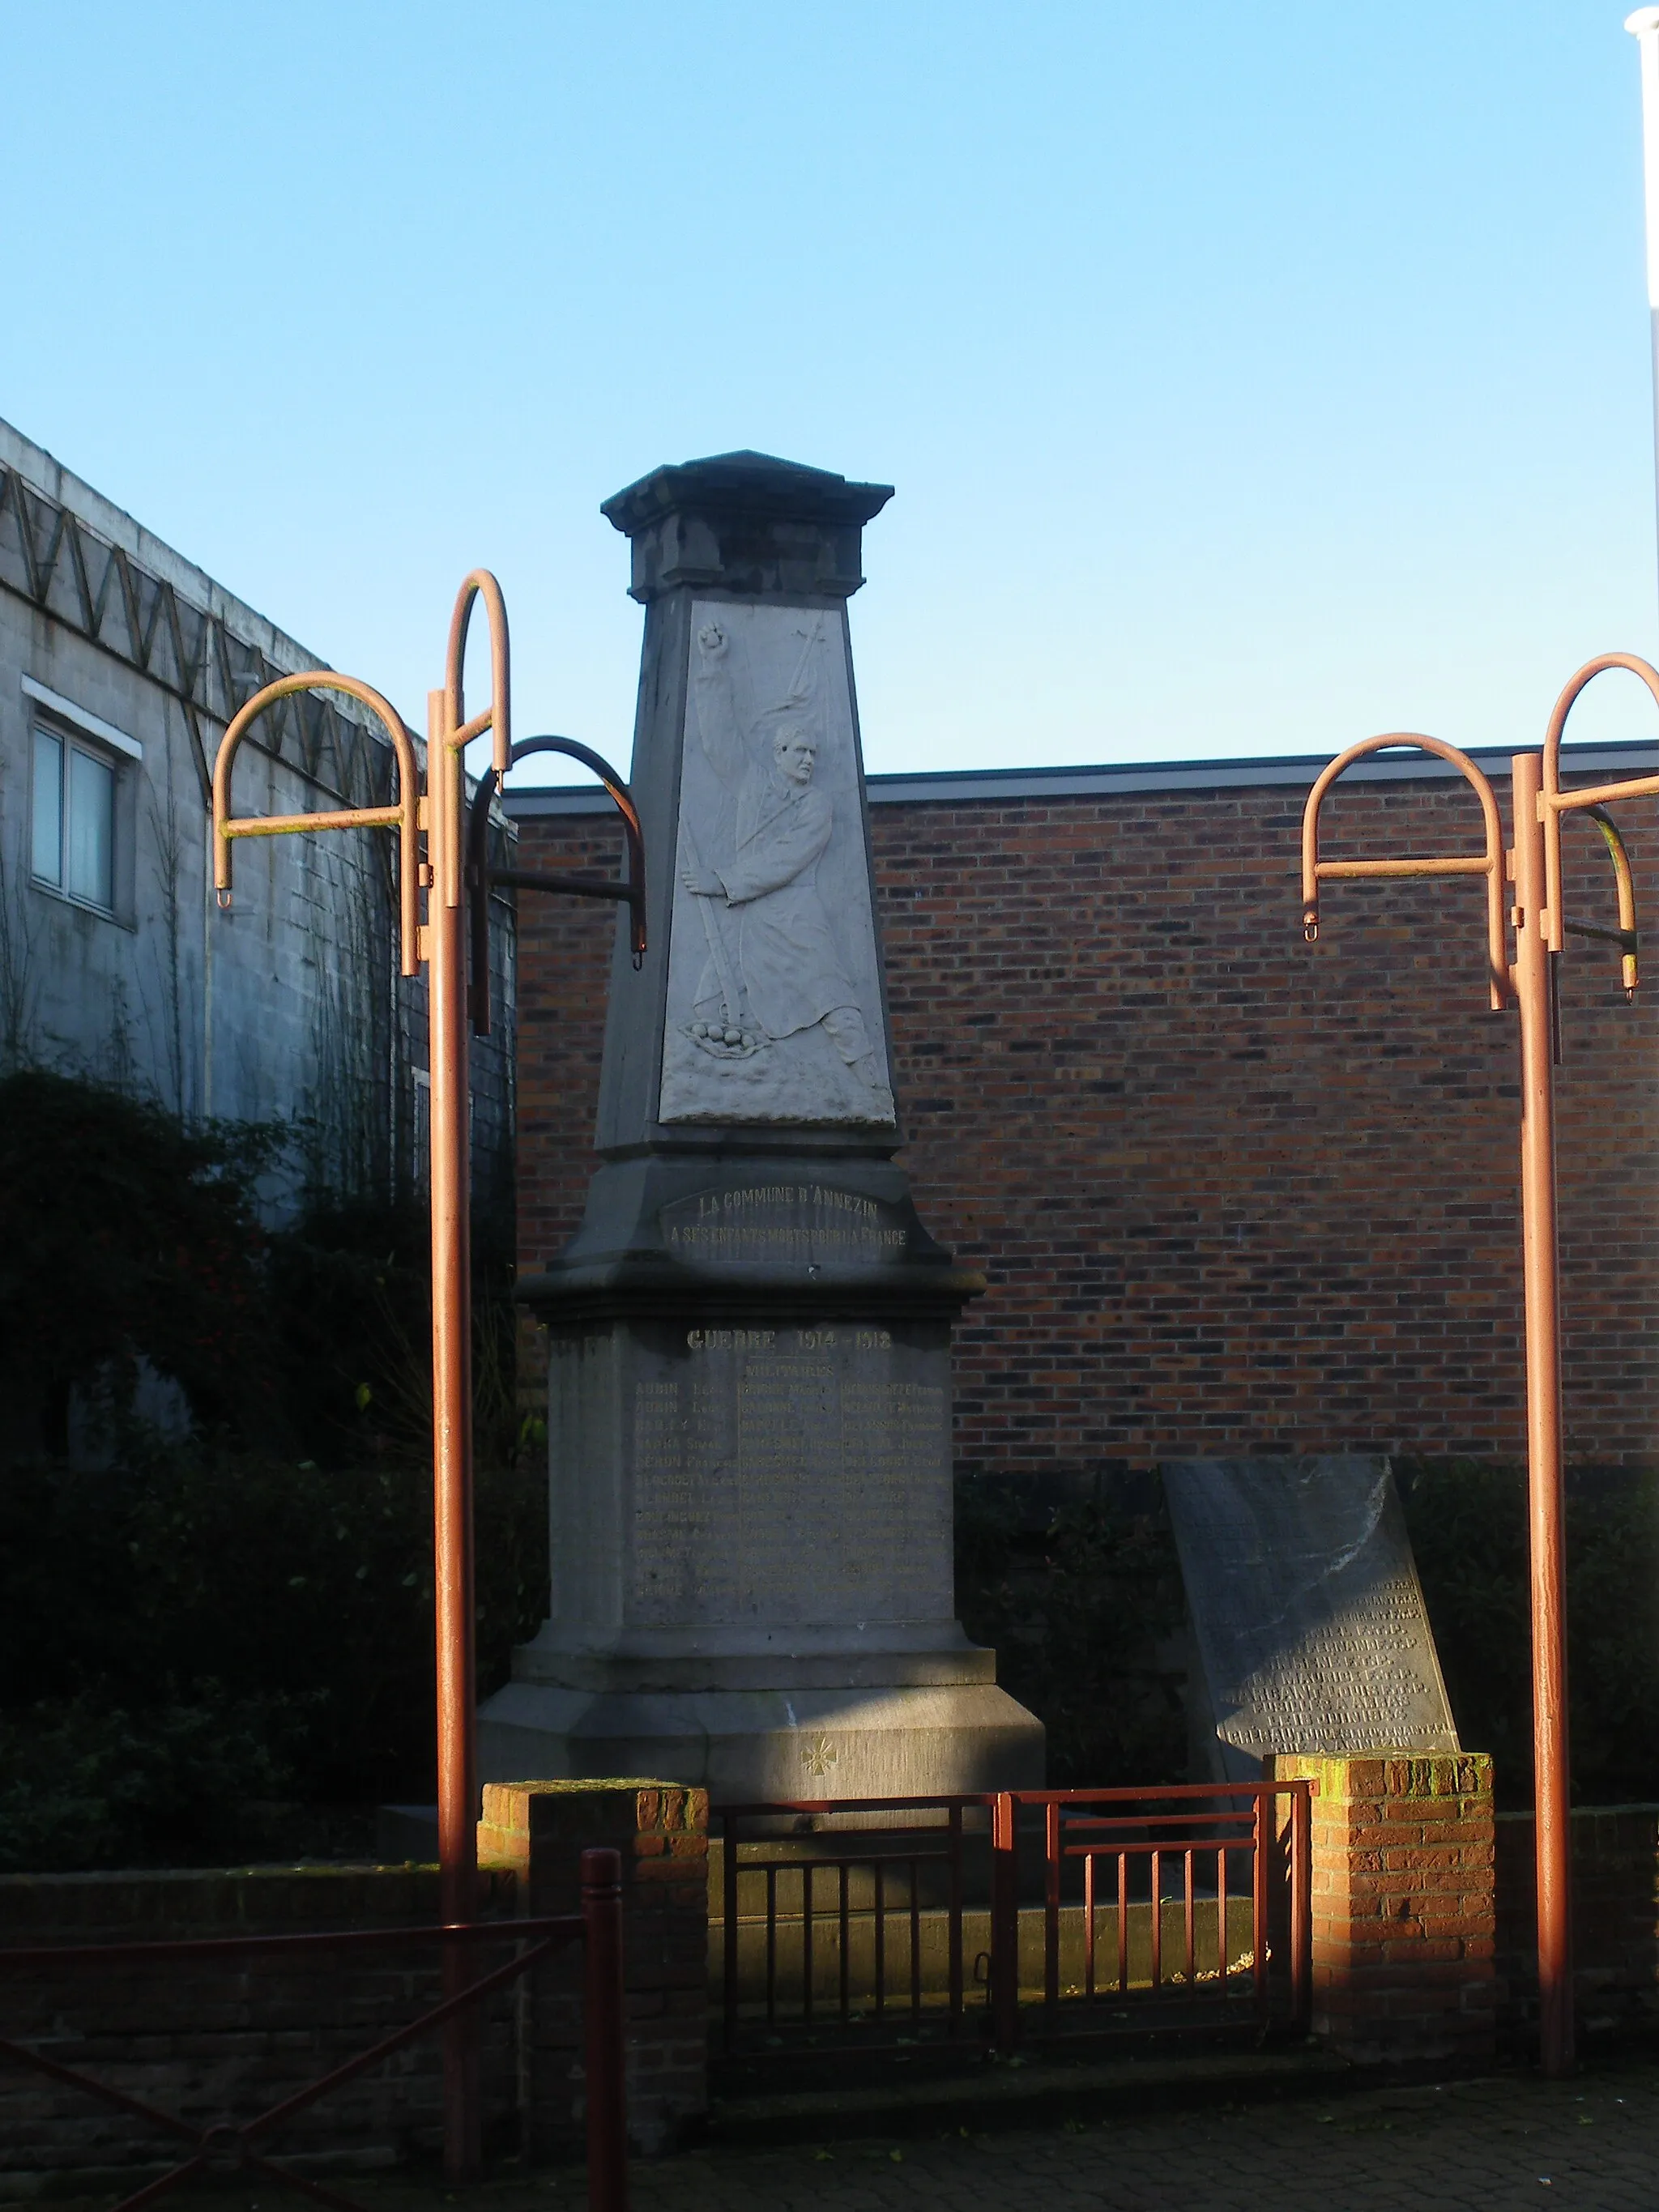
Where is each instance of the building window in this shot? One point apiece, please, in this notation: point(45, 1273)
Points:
point(73, 846)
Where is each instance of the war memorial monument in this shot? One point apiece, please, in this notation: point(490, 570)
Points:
point(749, 1334)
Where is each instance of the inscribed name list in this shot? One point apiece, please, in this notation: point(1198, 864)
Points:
point(788, 1476)
point(1306, 1607)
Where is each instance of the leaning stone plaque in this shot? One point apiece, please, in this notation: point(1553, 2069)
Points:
point(1308, 1620)
point(748, 1406)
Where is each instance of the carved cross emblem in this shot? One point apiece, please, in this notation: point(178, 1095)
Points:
point(818, 1756)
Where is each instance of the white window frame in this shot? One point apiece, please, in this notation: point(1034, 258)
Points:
point(65, 710)
point(75, 731)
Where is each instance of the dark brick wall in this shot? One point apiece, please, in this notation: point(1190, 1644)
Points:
point(1615, 1916)
point(1232, 1192)
point(217, 2039)
point(224, 2040)
point(660, 1833)
point(564, 974)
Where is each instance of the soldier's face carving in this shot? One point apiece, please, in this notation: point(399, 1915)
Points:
point(794, 753)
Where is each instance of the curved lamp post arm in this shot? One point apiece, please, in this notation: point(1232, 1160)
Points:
point(1489, 864)
point(404, 817)
point(1626, 937)
point(453, 732)
point(496, 717)
point(630, 888)
point(1554, 803)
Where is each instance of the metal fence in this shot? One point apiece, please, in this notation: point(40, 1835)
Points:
point(230, 2145)
point(865, 1924)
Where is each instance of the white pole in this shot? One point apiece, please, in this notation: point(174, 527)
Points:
point(1643, 27)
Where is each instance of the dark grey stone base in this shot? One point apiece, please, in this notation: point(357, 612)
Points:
point(751, 1746)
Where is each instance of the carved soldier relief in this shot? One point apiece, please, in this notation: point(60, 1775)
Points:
point(774, 1011)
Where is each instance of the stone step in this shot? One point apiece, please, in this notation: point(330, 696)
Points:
point(984, 2095)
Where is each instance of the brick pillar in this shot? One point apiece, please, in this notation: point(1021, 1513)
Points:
point(1404, 1925)
point(541, 1829)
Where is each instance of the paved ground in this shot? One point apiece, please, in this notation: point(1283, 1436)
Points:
point(1490, 2146)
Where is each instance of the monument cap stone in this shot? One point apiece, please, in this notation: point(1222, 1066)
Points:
point(747, 523)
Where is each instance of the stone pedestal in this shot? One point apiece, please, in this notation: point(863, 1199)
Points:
point(750, 1384)
point(1404, 1905)
point(539, 1832)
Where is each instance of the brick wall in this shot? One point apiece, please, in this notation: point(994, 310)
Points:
point(1403, 1935)
point(540, 1829)
point(222, 2041)
point(1232, 1192)
point(1615, 1916)
point(229, 2040)
point(564, 974)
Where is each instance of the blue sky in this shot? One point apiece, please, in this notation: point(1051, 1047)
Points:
point(1251, 379)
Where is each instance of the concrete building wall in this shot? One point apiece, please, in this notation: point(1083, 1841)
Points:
point(1232, 1192)
point(286, 1008)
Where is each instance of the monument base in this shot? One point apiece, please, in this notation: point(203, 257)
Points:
point(760, 1746)
point(749, 1489)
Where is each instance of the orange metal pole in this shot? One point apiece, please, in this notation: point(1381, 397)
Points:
point(1534, 870)
point(442, 943)
point(451, 1414)
point(1532, 986)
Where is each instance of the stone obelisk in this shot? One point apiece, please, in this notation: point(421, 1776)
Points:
point(750, 1372)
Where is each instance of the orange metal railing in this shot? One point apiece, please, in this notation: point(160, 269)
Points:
point(848, 1925)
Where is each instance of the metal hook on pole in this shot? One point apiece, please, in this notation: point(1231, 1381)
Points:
point(1592, 798)
point(404, 817)
point(1626, 937)
point(480, 876)
point(498, 717)
point(1488, 863)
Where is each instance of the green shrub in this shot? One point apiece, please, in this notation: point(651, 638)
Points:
point(1468, 1528)
point(1082, 1615)
point(248, 1615)
point(270, 1579)
point(350, 1296)
point(87, 1783)
point(125, 1233)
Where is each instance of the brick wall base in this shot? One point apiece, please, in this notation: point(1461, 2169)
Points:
point(1403, 1903)
point(1616, 1919)
point(226, 2039)
point(229, 2039)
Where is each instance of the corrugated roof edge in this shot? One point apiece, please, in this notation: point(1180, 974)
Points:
point(957, 786)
